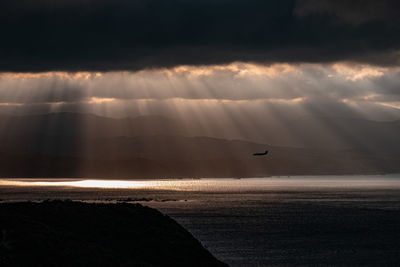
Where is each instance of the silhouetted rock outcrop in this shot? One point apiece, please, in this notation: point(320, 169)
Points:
point(58, 233)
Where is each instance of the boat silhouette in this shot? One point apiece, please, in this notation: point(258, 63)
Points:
point(261, 154)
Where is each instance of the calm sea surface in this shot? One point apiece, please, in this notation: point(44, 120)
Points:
point(274, 221)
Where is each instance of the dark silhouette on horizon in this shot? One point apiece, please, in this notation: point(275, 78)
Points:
point(261, 154)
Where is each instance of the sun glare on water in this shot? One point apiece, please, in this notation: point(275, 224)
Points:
point(98, 184)
point(80, 183)
point(209, 184)
point(188, 184)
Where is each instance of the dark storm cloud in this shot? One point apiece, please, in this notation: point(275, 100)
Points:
point(93, 35)
point(355, 12)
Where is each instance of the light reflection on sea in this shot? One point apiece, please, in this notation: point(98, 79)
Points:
point(217, 184)
point(273, 221)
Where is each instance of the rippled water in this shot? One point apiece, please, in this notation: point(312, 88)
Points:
point(274, 221)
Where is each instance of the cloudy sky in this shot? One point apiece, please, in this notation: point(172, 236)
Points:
point(192, 59)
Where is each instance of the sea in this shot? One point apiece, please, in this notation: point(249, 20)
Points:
point(271, 221)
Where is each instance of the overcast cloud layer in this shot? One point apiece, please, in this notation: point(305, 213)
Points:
point(255, 91)
point(233, 82)
point(103, 35)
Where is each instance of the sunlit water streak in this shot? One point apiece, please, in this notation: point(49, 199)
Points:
point(218, 185)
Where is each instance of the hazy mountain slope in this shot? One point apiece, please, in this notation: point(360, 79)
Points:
point(173, 156)
point(87, 125)
point(76, 145)
point(315, 132)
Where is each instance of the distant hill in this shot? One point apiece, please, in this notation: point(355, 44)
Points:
point(173, 156)
point(313, 132)
point(77, 145)
point(87, 125)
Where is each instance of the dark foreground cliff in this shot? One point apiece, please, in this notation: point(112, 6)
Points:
point(68, 233)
